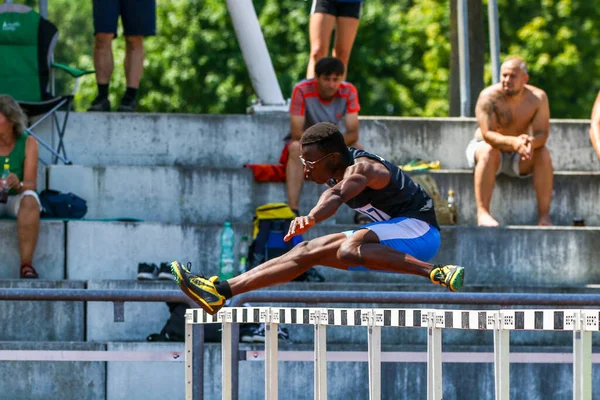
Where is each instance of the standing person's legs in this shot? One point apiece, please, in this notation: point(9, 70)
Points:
point(320, 29)
point(134, 60)
point(139, 21)
point(106, 16)
point(346, 27)
point(294, 175)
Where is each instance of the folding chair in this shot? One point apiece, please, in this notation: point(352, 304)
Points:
point(27, 43)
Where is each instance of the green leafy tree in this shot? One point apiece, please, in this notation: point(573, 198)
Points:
point(399, 63)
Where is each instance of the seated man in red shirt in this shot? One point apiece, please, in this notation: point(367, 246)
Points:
point(325, 98)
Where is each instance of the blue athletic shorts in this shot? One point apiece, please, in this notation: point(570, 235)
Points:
point(407, 235)
point(138, 16)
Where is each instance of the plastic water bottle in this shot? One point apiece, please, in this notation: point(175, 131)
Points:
point(452, 207)
point(243, 260)
point(227, 258)
point(3, 185)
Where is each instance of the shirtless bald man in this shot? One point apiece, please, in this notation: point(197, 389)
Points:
point(514, 120)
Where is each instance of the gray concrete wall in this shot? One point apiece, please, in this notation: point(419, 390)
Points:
point(233, 140)
point(49, 256)
point(511, 255)
point(145, 380)
point(141, 318)
point(348, 380)
point(214, 195)
point(41, 320)
point(52, 380)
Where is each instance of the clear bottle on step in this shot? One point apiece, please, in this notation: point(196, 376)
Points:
point(4, 189)
point(243, 258)
point(227, 257)
point(452, 207)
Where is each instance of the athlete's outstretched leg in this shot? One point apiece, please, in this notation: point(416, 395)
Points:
point(210, 293)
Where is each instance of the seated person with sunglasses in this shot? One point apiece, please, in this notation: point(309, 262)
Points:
point(402, 238)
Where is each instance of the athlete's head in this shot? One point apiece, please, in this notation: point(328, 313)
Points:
point(324, 152)
point(329, 72)
point(513, 76)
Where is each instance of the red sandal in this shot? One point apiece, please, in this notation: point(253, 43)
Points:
point(28, 272)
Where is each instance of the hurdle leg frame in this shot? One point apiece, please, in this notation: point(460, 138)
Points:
point(501, 359)
point(271, 361)
point(582, 359)
point(374, 344)
point(434, 359)
point(320, 359)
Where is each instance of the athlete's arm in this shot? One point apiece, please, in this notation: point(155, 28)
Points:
point(357, 177)
point(595, 126)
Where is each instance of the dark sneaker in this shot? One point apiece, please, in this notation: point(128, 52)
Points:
point(164, 272)
point(450, 276)
point(100, 104)
point(247, 332)
point(127, 106)
point(312, 275)
point(259, 334)
point(147, 272)
point(198, 288)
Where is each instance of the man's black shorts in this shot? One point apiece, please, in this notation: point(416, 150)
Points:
point(337, 8)
point(138, 16)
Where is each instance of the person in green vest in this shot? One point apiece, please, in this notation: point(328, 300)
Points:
point(19, 156)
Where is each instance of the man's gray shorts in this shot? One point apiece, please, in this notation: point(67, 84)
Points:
point(509, 162)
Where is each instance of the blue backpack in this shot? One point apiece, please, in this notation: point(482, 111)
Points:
point(62, 205)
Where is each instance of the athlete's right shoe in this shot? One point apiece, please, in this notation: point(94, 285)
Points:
point(450, 276)
point(198, 288)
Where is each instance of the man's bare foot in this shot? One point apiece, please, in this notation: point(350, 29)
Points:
point(544, 221)
point(485, 219)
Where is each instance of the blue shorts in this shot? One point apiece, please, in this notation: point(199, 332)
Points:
point(138, 16)
point(407, 235)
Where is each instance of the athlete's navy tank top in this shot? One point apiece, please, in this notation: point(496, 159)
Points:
point(400, 198)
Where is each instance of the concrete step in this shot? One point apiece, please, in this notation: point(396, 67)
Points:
point(213, 195)
point(49, 256)
point(40, 380)
point(116, 380)
point(214, 140)
point(42, 320)
point(514, 200)
point(94, 321)
point(499, 256)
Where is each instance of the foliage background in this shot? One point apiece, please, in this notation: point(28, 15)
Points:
point(400, 61)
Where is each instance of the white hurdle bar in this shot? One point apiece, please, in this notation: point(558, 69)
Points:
point(581, 322)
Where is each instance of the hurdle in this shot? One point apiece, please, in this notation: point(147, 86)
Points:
point(581, 322)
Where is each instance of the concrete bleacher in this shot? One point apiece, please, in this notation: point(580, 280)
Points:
point(183, 175)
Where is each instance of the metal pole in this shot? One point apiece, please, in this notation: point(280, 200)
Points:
point(501, 360)
point(494, 39)
point(255, 52)
point(44, 8)
point(463, 55)
point(434, 359)
point(198, 362)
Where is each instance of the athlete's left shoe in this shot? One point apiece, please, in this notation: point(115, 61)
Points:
point(198, 288)
point(450, 276)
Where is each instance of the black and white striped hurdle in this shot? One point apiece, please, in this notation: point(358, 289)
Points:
point(581, 322)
